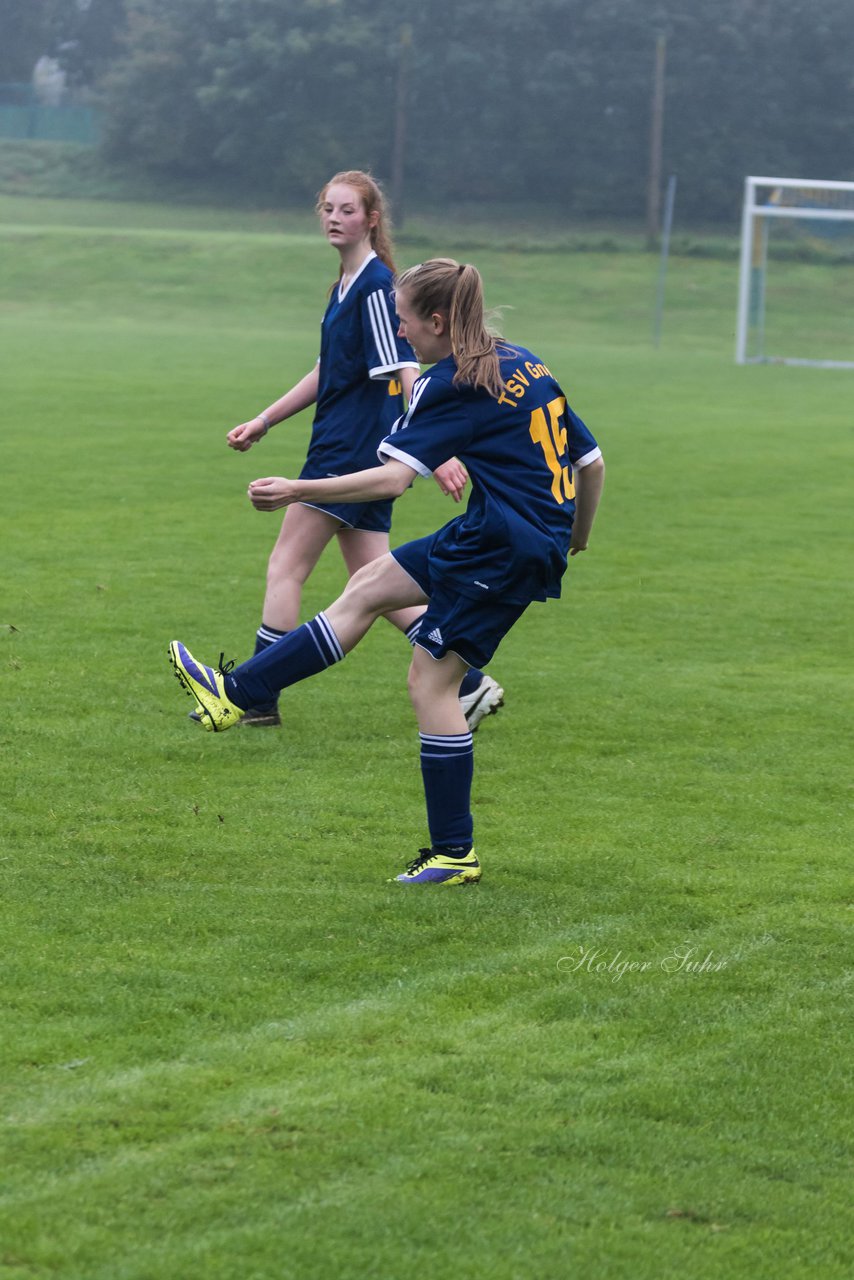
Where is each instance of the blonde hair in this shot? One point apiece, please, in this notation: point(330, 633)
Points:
point(373, 200)
point(455, 291)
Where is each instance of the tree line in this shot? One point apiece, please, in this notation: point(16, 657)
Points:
point(481, 100)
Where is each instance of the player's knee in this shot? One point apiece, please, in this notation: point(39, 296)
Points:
point(416, 687)
point(426, 680)
point(281, 567)
point(368, 585)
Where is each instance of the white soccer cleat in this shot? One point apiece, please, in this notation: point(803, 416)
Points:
point(483, 701)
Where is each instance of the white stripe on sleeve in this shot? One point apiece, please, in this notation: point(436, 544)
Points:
point(381, 327)
point(388, 450)
point(418, 389)
point(588, 458)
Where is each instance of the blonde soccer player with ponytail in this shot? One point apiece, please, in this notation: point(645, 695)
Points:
point(537, 476)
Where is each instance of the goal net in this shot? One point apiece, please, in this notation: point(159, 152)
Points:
point(796, 280)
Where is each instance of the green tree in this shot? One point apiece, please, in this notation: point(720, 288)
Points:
point(22, 38)
point(89, 34)
point(82, 34)
point(547, 102)
point(267, 95)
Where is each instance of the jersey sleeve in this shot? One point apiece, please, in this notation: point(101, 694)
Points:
point(434, 428)
point(385, 352)
point(583, 448)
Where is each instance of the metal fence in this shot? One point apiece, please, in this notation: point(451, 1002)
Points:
point(23, 116)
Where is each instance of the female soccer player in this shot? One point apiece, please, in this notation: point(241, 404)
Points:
point(537, 476)
point(358, 385)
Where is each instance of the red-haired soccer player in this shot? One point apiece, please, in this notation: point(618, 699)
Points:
point(358, 386)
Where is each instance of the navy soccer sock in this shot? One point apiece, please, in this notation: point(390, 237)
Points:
point(447, 768)
point(301, 653)
point(264, 637)
point(471, 681)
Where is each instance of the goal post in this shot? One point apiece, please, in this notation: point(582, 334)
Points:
point(822, 209)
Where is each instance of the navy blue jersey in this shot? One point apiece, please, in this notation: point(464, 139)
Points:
point(358, 399)
point(520, 451)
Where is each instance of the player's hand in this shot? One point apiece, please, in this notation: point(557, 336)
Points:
point(575, 547)
point(451, 478)
point(272, 492)
point(244, 436)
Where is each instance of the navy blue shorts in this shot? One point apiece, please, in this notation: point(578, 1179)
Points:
point(454, 623)
point(375, 517)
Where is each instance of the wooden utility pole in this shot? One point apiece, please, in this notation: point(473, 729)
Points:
point(399, 145)
point(656, 137)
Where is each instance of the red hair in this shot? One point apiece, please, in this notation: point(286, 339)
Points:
point(373, 201)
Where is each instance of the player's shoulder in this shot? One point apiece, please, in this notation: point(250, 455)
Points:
point(438, 381)
point(375, 275)
point(527, 375)
point(512, 357)
point(434, 390)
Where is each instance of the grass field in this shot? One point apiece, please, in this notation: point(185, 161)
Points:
point(231, 1050)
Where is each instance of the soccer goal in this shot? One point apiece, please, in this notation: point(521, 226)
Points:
point(800, 309)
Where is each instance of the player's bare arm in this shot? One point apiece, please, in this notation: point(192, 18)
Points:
point(299, 397)
point(408, 376)
point(589, 481)
point(372, 485)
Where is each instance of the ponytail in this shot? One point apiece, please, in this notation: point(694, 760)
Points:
point(455, 290)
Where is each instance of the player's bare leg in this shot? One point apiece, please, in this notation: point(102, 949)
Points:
point(479, 694)
point(304, 535)
point(375, 591)
point(361, 547)
point(433, 691)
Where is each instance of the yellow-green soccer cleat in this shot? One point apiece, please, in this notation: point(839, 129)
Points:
point(436, 868)
point(207, 685)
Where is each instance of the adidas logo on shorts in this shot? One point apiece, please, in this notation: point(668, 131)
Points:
point(436, 636)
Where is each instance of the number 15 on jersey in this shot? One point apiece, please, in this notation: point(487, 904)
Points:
point(547, 432)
